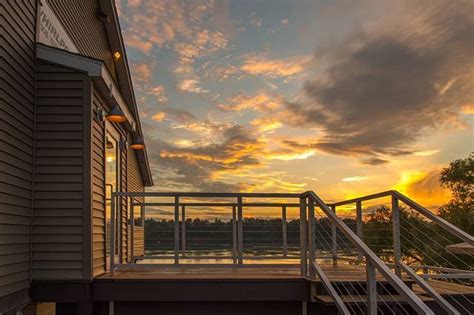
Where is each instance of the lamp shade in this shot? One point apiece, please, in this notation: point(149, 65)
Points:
point(137, 143)
point(116, 115)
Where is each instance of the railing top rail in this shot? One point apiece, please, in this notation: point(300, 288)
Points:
point(396, 282)
point(217, 204)
point(206, 194)
point(363, 198)
point(437, 219)
point(451, 228)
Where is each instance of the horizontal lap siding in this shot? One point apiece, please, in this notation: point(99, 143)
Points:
point(98, 192)
point(60, 173)
point(135, 184)
point(17, 86)
point(87, 32)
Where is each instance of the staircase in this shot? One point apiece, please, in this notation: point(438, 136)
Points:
point(451, 293)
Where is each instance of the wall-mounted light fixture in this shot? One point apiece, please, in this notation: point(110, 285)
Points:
point(137, 142)
point(117, 55)
point(116, 115)
point(99, 115)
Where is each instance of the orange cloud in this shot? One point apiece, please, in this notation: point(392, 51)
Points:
point(266, 124)
point(159, 116)
point(136, 42)
point(468, 109)
point(424, 187)
point(274, 68)
point(260, 102)
point(426, 152)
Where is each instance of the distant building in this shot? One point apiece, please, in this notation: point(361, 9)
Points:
point(63, 70)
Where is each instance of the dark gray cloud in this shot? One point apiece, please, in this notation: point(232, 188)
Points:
point(380, 92)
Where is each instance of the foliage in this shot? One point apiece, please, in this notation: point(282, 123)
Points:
point(459, 178)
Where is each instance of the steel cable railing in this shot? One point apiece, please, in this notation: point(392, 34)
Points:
point(347, 244)
point(422, 236)
point(340, 242)
point(373, 264)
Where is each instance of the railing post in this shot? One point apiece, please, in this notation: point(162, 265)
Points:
point(284, 231)
point(183, 231)
point(176, 230)
point(112, 233)
point(371, 287)
point(359, 227)
point(334, 240)
point(234, 234)
point(132, 228)
point(311, 235)
point(240, 232)
point(397, 252)
point(303, 235)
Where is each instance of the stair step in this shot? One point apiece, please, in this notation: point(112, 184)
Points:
point(362, 299)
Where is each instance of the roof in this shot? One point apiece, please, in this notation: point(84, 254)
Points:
point(124, 79)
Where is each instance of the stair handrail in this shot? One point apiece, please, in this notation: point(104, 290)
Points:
point(447, 226)
point(415, 302)
point(330, 288)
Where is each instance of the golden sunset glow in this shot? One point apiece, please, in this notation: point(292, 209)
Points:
point(260, 100)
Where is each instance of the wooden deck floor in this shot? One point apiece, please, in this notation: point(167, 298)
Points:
point(342, 272)
point(182, 272)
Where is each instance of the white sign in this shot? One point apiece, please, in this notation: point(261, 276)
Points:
point(50, 31)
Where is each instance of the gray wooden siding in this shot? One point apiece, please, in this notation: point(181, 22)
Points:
point(17, 86)
point(61, 203)
point(87, 32)
point(135, 184)
point(98, 191)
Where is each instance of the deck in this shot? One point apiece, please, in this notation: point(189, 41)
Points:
point(340, 273)
point(343, 272)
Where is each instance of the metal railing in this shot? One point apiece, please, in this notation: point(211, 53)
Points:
point(405, 221)
point(313, 219)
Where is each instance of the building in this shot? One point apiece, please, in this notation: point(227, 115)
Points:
point(73, 166)
point(63, 69)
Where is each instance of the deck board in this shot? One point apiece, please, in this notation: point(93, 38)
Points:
point(182, 272)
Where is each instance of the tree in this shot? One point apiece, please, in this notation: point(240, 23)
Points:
point(459, 178)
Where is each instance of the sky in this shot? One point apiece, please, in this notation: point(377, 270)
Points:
point(342, 97)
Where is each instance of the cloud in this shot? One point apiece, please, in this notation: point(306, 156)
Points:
point(423, 186)
point(260, 102)
point(260, 64)
point(136, 42)
point(467, 109)
point(190, 29)
point(266, 124)
point(141, 71)
point(373, 161)
point(201, 166)
point(177, 116)
point(426, 152)
point(159, 93)
point(379, 92)
point(191, 86)
point(159, 116)
point(354, 178)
